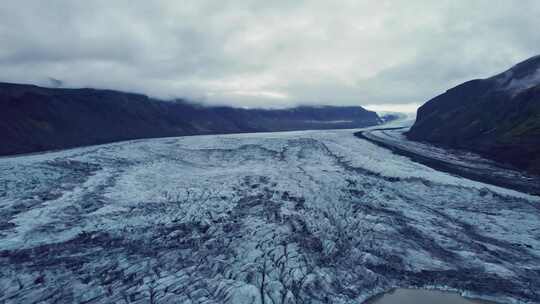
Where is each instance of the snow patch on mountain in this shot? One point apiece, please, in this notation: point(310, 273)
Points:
point(519, 85)
point(520, 77)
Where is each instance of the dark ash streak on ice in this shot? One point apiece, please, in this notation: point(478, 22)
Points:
point(461, 163)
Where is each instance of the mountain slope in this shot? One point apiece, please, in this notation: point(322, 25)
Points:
point(498, 117)
point(35, 119)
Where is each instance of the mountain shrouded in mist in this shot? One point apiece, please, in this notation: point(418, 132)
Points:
point(36, 119)
point(498, 117)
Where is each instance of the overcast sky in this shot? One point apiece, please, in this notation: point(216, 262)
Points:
point(386, 54)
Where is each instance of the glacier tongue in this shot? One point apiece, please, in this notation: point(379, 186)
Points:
point(295, 217)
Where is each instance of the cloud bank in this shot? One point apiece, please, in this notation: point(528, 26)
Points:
point(266, 53)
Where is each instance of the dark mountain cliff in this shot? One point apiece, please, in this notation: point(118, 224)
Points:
point(35, 119)
point(498, 117)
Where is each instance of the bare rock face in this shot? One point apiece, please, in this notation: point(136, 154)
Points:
point(35, 119)
point(498, 117)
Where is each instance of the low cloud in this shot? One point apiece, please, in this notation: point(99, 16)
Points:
point(266, 54)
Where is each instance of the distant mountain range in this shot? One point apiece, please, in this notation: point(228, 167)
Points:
point(35, 119)
point(498, 117)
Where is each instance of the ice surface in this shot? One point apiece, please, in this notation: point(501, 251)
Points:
point(292, 217)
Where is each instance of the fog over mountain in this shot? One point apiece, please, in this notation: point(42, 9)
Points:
point(387, 54)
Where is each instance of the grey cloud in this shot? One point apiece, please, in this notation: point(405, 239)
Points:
point(266, 53)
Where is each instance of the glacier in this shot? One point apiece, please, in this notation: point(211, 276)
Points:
point(291, 217)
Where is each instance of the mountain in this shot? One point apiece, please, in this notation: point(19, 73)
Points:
point(34, 118)
point(498, 117)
